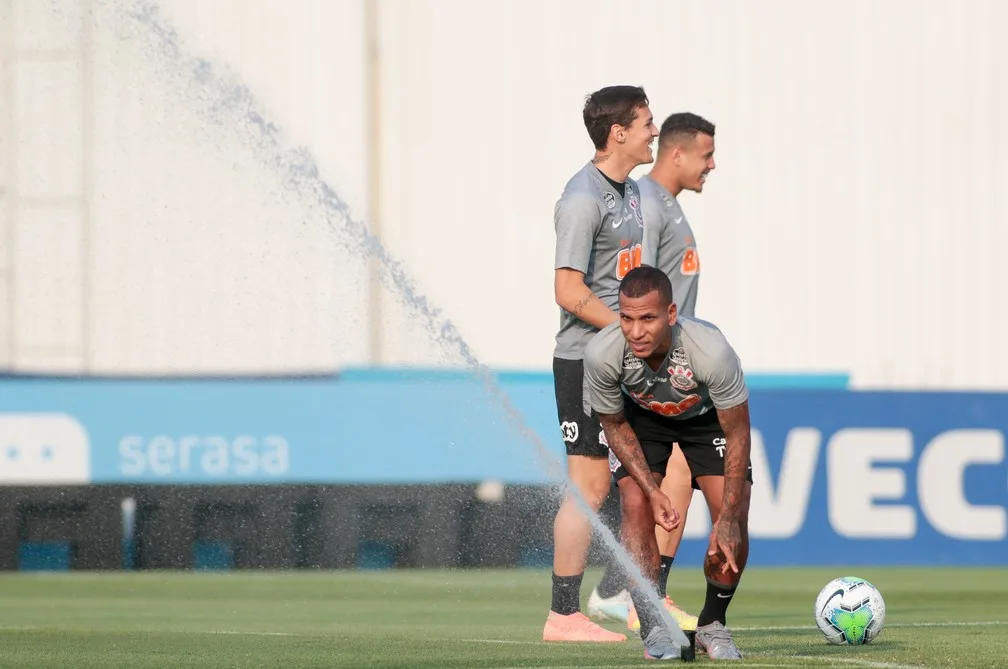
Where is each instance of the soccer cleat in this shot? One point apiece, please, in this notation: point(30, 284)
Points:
point(616, 607)
point(658, 645)
point(717, 641)
point(683, 619)
point(577, 627)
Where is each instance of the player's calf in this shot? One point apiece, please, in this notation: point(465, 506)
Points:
point(722, 582)
point(638, 537)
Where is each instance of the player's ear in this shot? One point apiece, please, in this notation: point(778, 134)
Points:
point(676, 153)
point(618, 133)
point(673, 314)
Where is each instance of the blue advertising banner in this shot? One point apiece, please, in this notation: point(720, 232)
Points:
point(840, 476)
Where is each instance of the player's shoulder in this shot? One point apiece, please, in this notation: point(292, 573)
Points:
point(702, 336)
point(606, 346)
point(655, 195)
point(584, 186)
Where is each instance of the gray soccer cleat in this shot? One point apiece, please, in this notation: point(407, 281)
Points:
point(659, 645)
point(717, 641)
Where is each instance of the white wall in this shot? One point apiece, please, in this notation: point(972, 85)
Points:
point(854, 223)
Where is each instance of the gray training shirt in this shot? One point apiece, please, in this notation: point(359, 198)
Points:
point(669, 244)
point(598, 232)
point(700, 372)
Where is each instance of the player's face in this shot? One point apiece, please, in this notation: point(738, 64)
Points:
point(695, 160)
point(647, 324)
point(637, 138)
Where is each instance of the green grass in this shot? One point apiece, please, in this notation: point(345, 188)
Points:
point(453, 619)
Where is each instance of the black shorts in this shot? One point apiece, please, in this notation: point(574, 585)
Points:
point(581, 432)
point(701, 439)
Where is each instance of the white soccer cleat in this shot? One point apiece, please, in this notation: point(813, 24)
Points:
point(616, 607)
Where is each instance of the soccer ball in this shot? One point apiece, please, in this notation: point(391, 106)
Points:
point(850, 610)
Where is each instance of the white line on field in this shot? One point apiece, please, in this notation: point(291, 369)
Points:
point(937, 623)
point(239, 633)
point(75, 630)
point(777, 628)
point(649, 663)
point(858, 662)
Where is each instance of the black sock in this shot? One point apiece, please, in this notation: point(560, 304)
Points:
point(646, 612)
point(666, 565)
point(566, 594)
point(716, 605)
point(612, 582)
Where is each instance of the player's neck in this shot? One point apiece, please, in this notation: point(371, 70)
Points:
point(613, 165)
point(665, 177)
point(657, 359)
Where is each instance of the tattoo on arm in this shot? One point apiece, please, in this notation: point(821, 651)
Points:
point(582, 303)
point(738, 438)
point(626, 446)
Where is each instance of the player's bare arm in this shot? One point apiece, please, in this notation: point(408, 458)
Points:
point(738, 443)
point(625, 445)
point(574, 296)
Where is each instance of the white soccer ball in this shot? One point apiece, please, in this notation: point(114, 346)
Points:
point(850, 611)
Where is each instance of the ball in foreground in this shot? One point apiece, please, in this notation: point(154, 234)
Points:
point(850, 610)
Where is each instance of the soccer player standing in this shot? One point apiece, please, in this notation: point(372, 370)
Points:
point(599, 229)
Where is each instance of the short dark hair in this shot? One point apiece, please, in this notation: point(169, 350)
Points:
point(642, 280)
point(609, 106)
point(678, 127)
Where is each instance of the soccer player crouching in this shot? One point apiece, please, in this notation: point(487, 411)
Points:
point(655, 380)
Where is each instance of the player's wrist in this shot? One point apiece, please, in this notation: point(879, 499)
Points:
point(728, 516)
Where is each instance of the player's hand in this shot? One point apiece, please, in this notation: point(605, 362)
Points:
point(664, 514)
point(725, 538)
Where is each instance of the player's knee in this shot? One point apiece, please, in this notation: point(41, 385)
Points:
point(594, 487)
point(634, 506)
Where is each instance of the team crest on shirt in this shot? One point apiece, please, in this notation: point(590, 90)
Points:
point(631, 361)
point(610, 199)
point(668, 201)
point(638, 214)
point(681, 377)
point(678, 356)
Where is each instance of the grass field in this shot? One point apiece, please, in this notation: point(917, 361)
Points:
point(453, 619)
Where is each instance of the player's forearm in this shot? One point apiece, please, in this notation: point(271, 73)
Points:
point(738, 444)
point(577, 298)
point(625, 445)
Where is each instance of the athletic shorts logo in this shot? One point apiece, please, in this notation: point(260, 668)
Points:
point(631, 361)
point(681, 377)
point(569, 430)
point(610, 200)
point(614, 462)
point(678, 356)
point(720, 444)
point(602, 440)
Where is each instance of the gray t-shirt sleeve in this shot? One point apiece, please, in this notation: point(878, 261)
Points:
point(724, 376)
point(603, 364)
point(654, 226)
point(577, 219)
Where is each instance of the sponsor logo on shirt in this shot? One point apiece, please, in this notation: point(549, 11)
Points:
point(631, 361)
point(678, 357)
